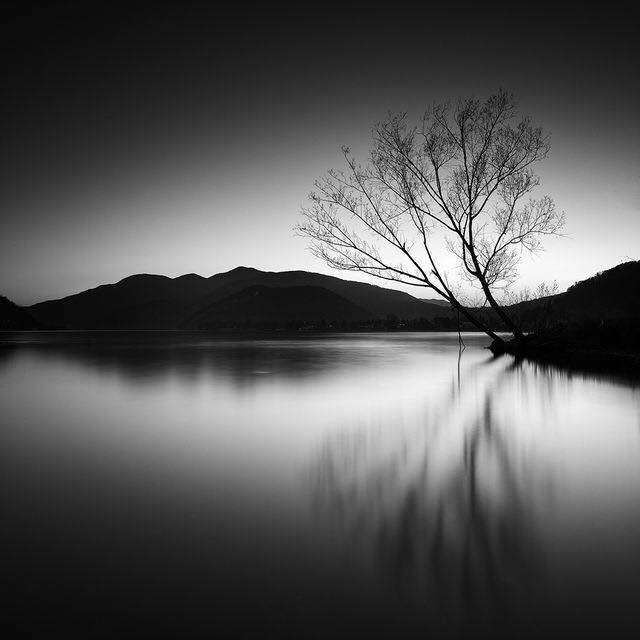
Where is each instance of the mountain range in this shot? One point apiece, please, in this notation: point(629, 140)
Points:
point(244, 297)
point(247, 297)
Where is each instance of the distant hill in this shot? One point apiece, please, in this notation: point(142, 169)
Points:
point(609, 296)
point(191, 301)
point(378, 301)
point(258, 304)
point(137, 302)
point(613, 294)
point(13, 317)
point(439, 301)
point(592, 327)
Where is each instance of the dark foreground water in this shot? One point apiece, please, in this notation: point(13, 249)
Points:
point(188, 485)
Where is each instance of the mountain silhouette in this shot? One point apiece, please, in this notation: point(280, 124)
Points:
point(259, 304)
point(147, 301)
point(249, 297)
point(609, 296)
point(378, 301)
point(137, 302)
point(13, 317)
point(612, 294)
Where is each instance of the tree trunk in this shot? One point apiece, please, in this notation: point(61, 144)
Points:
point(502, 314)
point(511, 325)
point(475, 321)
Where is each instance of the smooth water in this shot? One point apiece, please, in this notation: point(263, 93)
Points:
point(333, 486)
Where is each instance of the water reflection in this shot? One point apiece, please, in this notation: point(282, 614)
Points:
point(447, 504)
point(458, 504)
point(153, 488)
point(146, 357)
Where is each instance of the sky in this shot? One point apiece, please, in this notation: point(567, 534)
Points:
point(185, 137)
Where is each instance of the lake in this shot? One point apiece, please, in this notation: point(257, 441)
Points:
point(175, 484)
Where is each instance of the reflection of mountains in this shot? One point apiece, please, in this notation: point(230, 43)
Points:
point(446, 504)
point(147, 356)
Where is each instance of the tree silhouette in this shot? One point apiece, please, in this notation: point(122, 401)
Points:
point(461, 178)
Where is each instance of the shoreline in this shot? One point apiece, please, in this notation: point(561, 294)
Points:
point(574, 355)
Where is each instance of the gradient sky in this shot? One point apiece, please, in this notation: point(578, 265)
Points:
point(184, 138)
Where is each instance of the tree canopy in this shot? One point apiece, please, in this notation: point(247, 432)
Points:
point(463, 176)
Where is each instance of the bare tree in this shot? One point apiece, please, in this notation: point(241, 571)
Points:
point(463, 177)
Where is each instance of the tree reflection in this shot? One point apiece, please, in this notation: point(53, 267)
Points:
point(447, 504)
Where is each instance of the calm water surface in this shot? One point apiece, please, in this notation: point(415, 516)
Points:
point(335, 486)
